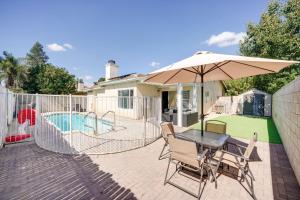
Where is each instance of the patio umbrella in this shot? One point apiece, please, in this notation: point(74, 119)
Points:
point(207, 66)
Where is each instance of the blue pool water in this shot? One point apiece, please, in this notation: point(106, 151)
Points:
point(62, 121)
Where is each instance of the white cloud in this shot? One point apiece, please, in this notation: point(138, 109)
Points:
point(58, 47)
point(55, 47)
point(226, 38)
point(69, 46)
point(88, 77)
point(75, 68)
point(154, 64)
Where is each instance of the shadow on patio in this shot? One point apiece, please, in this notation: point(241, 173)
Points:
point(29, 172)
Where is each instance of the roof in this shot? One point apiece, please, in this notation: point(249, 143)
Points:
point(127, 78)
point(118, 79)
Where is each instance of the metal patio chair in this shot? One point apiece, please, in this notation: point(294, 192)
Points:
point(166, 129)
point(216, 126)
point(240, 162)
point(184, 154)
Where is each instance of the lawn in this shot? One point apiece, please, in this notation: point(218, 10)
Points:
point(244, 126)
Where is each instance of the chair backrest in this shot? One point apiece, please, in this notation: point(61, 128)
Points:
point(167, 129)
point(250, 146)
point(183, 151)
point(215, 126)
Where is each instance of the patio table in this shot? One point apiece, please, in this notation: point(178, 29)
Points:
point(209, 139)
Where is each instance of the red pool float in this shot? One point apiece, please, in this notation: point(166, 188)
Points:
point(16, 138)
point(27, 114)
point(23, 116)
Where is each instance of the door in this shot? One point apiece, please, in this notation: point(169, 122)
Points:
point(248, 104)
point(259, 104)
point(164, 100)
point(254, 104)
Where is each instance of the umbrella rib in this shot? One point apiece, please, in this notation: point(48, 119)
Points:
point(216, 67)
point(196, 70)
point(147, 79)
point(195, 78)
point(190, 71)
point(253, 66)
point(172, 76)
point(226, 73)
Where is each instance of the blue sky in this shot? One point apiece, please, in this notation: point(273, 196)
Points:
point(140, 35)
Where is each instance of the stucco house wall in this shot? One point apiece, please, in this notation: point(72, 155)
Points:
point(212, 91)
point(107, 100)
point(107, 96)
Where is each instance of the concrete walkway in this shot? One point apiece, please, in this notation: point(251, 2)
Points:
point(29, 172)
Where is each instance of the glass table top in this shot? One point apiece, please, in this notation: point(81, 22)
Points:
point(208, 139)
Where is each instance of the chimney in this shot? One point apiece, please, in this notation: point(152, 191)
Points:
point(80, 85)
point(111, 70)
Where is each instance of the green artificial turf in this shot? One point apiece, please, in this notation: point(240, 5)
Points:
point(244, 126)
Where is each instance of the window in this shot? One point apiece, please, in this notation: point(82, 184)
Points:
point(206, 94)
point(186, 99)
point(125, 99)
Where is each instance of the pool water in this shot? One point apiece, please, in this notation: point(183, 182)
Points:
point(79, 122)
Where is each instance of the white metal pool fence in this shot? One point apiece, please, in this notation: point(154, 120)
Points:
point(74, 124)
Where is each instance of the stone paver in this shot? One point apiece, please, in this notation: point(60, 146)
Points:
point(29, 172)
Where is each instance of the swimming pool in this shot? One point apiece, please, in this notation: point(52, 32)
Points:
point(79, 122)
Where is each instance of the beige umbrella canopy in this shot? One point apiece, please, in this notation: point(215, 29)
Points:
point(206, 66)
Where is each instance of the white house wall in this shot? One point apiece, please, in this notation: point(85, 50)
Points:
point(212, 91)
point(147, 90)
point(107, 97)
point(107, 100)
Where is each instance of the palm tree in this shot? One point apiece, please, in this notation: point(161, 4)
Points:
point(11, 71)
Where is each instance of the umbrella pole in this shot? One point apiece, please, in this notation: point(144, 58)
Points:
point(202, 103)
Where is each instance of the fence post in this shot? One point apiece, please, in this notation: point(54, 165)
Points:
point(6, 105)
point(145, 119)
point(37, 114)
point(70, 117)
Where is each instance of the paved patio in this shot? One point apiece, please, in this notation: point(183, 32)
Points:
point(29, 172)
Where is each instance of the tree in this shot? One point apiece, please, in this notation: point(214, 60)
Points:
point(236, 87)
point(36, 56)
point(277, 35)
point(55, 80)
point(12, 72)
point(34, 59)
point(101, 79)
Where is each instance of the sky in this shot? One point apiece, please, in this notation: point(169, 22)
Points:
point(140, 35)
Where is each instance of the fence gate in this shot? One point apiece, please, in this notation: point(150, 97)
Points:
point(19, 117)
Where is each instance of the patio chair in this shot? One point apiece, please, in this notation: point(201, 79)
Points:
point(215, 126)
point(240, 161)
point(166, 129)
point(184, 154)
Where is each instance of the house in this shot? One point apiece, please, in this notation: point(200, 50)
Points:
point(125, 95)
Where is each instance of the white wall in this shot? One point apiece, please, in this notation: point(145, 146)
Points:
point(107, 97)
point(107, 100)
point(212, 91)
point(286, 115)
